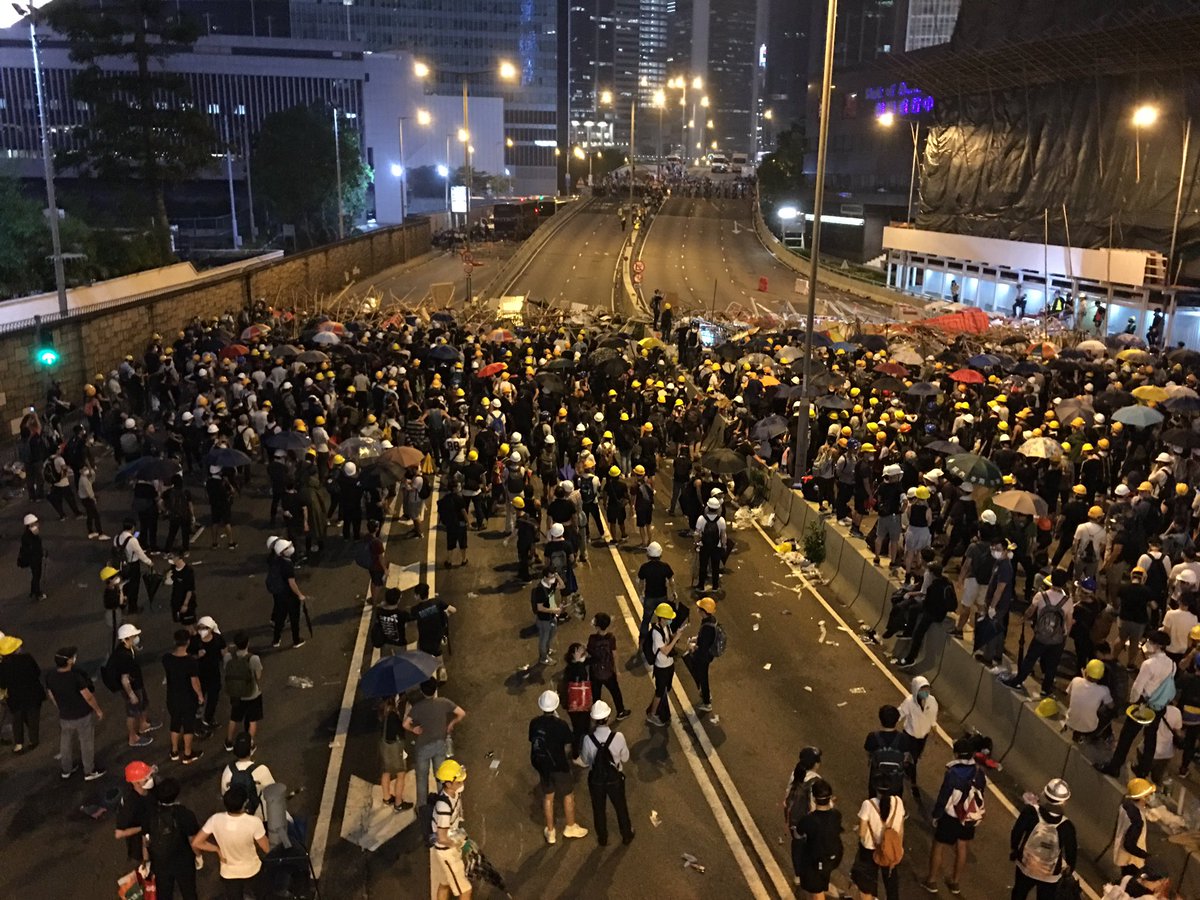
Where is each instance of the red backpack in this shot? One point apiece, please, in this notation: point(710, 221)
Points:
point(579, 696)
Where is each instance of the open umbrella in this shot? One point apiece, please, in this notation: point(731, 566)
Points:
point(769, 381)
point(1027, 367)
point(149, 468)
point(500, 336)
point(827, 379)
point(1181, 437)
point(872, 342)
point(255, 332)
point(908, 356)
point(329, 325)
point(619, 342)
point(1041, 448)
point(360, 448)
point(843, 346)
point(966, 376)
point(895, 385)
point(1135, 355)
point(1022, 502)
point(1138, 416)
point(562, 364)
point(613, 367)
point(941, 446)
point(1179, 390)
point(1093, 348)
point(771, 426)
point(405, 456)
point(444, 353)
point(974, 469)
point(312, 357)
point(650, 343)
point(723, 461)
point(833, 401)
point(1184, 357)
point(233, 351)
point(788, 355)
point(1070, 409)
point(1182, 404)
point(325, 338)
point(756, 360)
point(398, 673)
point(1109, 401)
point(226, 458)
point(892, 368)
point(729, 352)
point(288, 440)
point(1125, 340)
point(1150, 393)
point(288, 351)
point(491, 369)
point(603, 355)
point(922, 389)
point(983, 361)
point(550, 383)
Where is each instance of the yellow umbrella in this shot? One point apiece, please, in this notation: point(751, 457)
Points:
point(650, 343)
point(1151, 393)
point(769, 381)
point(1134, 354)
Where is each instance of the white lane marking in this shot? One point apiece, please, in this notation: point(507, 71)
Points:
point(1004, 801)
point(758, 889)
point(337, 749)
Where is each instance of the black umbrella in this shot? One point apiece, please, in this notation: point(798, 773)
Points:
point(360, 448)
point(562, 364)
point(1181, 437)
point(872, 342)
point(226, 458)
point(613, 367)
point(288, 440)
point(285, 351)
point(888, 383)
point(1108, 402)
point(381, 473)
point(827, 379)
point(1027, 367)
point(723, 461)
point(833, 401)
point(1184, 404)
point(149, 468)
point(603, 355)
point(1184, 357)
point(1074, 353)
point(941, 446)
point(770, 427)
point(312, 357)
point(614, 340)
point(923, 389)
point(729, 352)
point(550, 383)
point(445, 353)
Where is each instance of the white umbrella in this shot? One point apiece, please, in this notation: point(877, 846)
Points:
point(1093, 347)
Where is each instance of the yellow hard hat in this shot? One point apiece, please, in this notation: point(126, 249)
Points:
point(1088, 448)
point(451, 770)
point(872, 427)
point(339, 460)
point(371, 420)
point(473, 455)
point(518, 502)
point(1145, 486)
point(1139, 787)
point(1095, 513)
point(614, 472)
point(1047, 708)
point(1079, 489)
point(846, 432)
point(505, 449)
point(868, 448)
point(639, 470)
point(664, 611)
point(1181, 489)
point(857, 408)
point(624, 417)
point(922, 493)
point(1002, 425)
point(708, 604)
point(320, 420)
point(854, 392)
point(108, 572)
point(1094, 670)
point(1077, 422)
point(587, 442)
point(648, 427)
point(1103, 443)
point(1001, 398)
point(1008, 479)
point(1194, 634)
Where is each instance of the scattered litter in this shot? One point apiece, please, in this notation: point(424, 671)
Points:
point(471, 595)
point(755, 626)
point(690, 862)
point(767, 667)
point(845, 629)
point(843, 703)
point(858, 690)
point(494, 765)
point(756, 593)
point(82, 585)
point(756, 615)
point(785, 612)
point(655, 818)
point(808, 688)
point(714, 719)
point(299, 681)
point(786, 587)
point(821, 629)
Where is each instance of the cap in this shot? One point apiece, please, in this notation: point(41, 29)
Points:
point(600, 711)
point(548, 701)
point(654, 550)
point(664, 611)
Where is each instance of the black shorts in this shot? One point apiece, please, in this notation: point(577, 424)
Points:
point(181, 712)
point(950, 831)
point(456, 538)
point(615, 514)
point(221, 516)
point(378, 576)
point(246, 711)
point(643, 516)
point(814, 881)
point(560, 783)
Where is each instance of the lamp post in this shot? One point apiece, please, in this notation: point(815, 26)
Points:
point(802, 426)
point(660, 100)
point(1143, 117)
point(337, 165)
point(887, 120)
point(60, 279)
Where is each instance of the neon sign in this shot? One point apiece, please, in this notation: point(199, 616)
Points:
point(900, 99)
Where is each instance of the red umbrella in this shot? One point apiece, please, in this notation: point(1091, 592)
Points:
point(492, 369)
point(256, 331)
point(892, 368)
point(966, 376)
point(335, 327)
point(501, 336)
point(233, 351)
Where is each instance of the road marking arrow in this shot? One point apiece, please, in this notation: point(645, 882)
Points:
point(366, 821)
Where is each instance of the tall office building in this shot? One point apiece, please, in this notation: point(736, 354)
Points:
point(786, 78)
point(930, 22)
point(468, 40)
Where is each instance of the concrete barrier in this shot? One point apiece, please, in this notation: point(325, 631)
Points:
point(1093, 808)
point(783, 508)
point(847, 578)
point(958, 679)
point(994, 712)
point(1038, 752)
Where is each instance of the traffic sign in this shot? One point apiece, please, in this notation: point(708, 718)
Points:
point(468, 268)
point(639, 267)
point(468, 257)
point(637, 277)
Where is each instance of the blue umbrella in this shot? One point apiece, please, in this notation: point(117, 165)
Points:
point(1138, 416)
point(398, 673)
point(843, 345)
point(983, 361)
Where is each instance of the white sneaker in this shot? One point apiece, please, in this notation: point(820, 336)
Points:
point(575, 831)
point(551, 835)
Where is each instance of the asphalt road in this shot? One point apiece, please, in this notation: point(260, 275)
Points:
point(790, 677)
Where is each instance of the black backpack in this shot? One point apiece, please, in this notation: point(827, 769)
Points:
point(164, 833)
point(710, 535)
point(362, 553)
point(887, 764)
point(244, 778)
point(540, 756)
point(426, 488)
point(109, 676)
point(648, 652)
point(587, 490)
point(604, 769)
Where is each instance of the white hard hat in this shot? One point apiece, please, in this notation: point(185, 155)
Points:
point(1187, 576)
point(1121, 490)
point(568, 485)
point(350, 469)
point(285, 548)
point(654, 550)
point(213, 429)
point(30, 519)
point(129, 423)
point(600, 711)
point(127, 631)
point(581, 428)
point(891, 470)
point(187, 417)
point(714, 503)
point(988, 517)
point(556, 530)
point(549, 440)
point(515, 458)
point(495, 404)
point(548, 701)
point(516, 437)
point(1056, 791)
point(287, 385)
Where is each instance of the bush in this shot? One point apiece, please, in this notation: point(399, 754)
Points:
point(814, 543)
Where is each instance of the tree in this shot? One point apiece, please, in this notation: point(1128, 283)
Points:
point(143, 123)
point(23, 240)
point(480, 180)
point(424, 181)
point(295, 172)
point(781, 173)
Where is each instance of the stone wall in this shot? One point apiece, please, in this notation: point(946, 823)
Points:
point(97, 340)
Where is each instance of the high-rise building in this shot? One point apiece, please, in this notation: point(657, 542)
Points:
point(930, 22)
point(468, 41)
point(786, 77)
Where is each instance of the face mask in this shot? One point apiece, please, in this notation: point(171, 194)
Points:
point(204, 633)
point(148, 784)
point(997, 554)
point(922, 694)
point(137, 643)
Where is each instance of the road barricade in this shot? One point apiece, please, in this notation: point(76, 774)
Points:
point(958, 679)
point(1038, 751)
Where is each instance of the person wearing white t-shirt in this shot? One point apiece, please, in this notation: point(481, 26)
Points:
point(874, 814)
point(1178, 624)
point(1169, 728)
point(236, 837)
point(1087, 697)
point(662, 642)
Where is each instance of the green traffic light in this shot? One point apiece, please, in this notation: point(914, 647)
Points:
point(46, 356)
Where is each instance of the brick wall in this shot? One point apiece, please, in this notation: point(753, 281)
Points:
point(96, 341)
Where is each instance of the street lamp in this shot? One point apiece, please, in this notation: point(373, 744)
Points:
point(423, 117)
point(508, 71)
point(660, 101)
point(1143, 117)
point(887, 120)
point(420, 69)
point(60, 280)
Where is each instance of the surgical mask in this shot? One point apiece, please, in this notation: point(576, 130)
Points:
point(204, 632)
point(148, 784)
point(997, 554)
point(137, 643)
point(923, 694)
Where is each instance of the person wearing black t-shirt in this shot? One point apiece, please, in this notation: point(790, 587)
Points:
point(168, 835)
point(656, 583)
point(184, 696)
point(206, 647)
point(549, 738)
point(433, 623)
point(74, 695)
point(183, 592)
